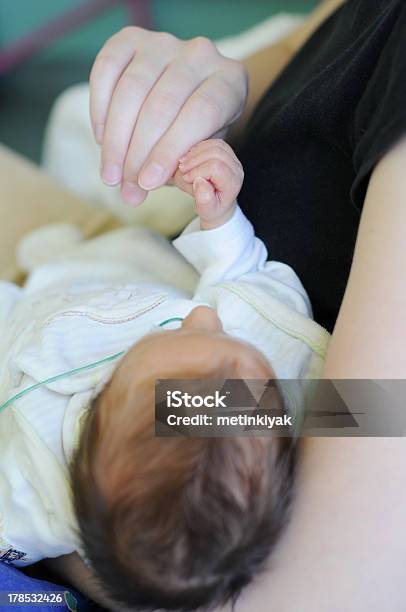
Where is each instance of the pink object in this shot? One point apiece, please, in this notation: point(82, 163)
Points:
point(26, 47)
point(140, 12)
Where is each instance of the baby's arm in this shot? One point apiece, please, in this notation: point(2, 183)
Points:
point(220, 243)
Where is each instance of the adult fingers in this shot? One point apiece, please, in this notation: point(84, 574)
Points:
point(161, 108)
point(131, 90)
point(110, 62)
point(215, 104)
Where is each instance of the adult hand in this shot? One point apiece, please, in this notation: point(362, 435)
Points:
point(154, 96)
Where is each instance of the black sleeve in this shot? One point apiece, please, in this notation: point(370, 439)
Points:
point(380, 118)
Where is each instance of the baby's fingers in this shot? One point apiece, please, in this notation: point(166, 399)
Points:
point(209, 207)
point(205, 196)
point(226, 182)
point(207, 202)
point(210, 150)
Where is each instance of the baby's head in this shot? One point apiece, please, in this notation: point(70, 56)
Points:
point(177, 523)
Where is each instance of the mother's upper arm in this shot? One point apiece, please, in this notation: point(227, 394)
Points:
point(369, 339)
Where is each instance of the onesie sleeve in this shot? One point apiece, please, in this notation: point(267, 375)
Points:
point(232, 252)
point(380, 117)
point(224, 253)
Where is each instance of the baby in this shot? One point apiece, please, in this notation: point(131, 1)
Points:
point(163, 523)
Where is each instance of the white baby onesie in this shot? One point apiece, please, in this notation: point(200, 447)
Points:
point(95, 303)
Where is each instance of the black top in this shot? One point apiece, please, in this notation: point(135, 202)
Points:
point(315, 138)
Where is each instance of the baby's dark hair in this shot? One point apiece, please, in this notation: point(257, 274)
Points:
point(176, 523)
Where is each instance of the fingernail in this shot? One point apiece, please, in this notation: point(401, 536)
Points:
point(151, 176)
point(197, 182)
point(111, 173)
point(132, 194)
point(200, 185)
point(98, 132)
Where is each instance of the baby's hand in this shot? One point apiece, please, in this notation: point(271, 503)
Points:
point(216, 176)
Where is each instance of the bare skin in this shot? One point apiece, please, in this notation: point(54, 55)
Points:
point(345, 547)
point(153, 97)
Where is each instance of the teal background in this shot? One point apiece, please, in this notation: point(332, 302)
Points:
point(27, 93)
